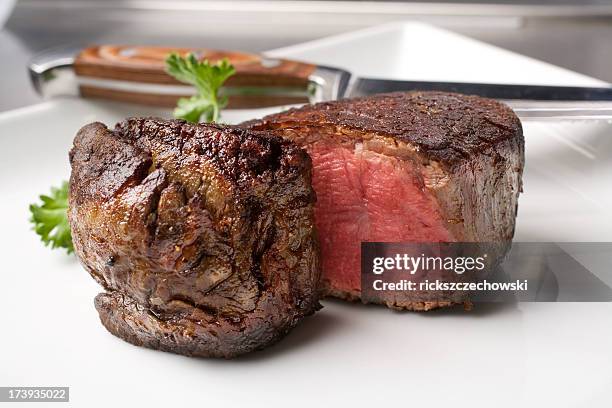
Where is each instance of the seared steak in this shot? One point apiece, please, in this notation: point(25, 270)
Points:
point(201, 235)
point(406, 167)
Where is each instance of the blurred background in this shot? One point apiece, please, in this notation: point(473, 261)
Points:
point(573, 34)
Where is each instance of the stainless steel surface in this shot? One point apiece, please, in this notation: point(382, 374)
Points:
point(575, 37)
point(544, 8)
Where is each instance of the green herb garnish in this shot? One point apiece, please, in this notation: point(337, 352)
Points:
point(207, 78)
point(50, 219)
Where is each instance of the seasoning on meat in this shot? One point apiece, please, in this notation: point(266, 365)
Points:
point(202, 236)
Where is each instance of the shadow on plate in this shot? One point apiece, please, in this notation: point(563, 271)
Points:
point(312, 330)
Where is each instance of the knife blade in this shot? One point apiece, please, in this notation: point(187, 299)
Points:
point(369, 86)
point(538, 102)
point(136, 74)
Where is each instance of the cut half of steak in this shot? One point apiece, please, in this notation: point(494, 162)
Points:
point(406, 167)
point(202, 236)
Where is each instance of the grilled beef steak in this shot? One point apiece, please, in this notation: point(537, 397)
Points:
point(202, 236)
point(406, 167)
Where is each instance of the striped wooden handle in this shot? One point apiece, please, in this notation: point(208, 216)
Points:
point(146, 64)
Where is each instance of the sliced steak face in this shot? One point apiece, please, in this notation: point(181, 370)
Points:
point(406, 167)
point(202, 236)
point(367, 196)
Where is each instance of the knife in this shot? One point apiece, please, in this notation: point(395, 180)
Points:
point(136, 74)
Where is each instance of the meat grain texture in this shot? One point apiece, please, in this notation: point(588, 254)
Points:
point(202, 236)
point(406, 167)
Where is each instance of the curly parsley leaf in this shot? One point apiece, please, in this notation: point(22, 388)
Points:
point(207, 78)
point(50, 218)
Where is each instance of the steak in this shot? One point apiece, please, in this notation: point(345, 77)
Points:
point(406, 167)
point(202, 236)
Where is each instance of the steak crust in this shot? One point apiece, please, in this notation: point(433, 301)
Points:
point(466, 158)
point(201, 235)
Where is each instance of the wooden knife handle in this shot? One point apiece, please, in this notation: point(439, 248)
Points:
point(146, 64)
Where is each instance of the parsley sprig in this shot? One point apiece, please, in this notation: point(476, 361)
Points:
point(50, 218)
point(207, 78)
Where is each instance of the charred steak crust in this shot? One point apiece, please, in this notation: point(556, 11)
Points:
point(201, 235)
point(449, 128)
point(465, 156)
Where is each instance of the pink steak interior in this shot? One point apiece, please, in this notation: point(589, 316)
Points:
point(367, 196)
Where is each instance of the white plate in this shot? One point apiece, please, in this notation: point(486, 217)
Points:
point(416, 51)
point(499, 355)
